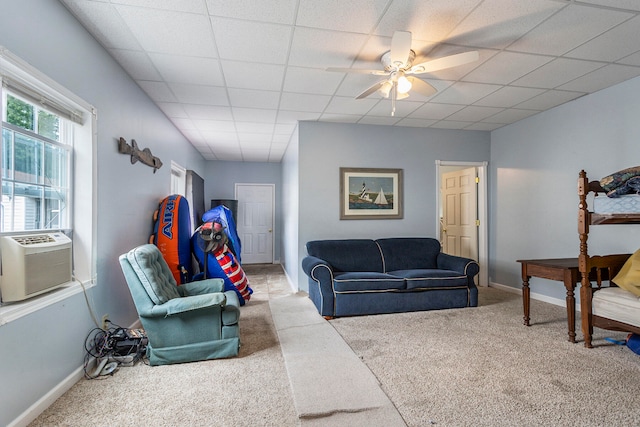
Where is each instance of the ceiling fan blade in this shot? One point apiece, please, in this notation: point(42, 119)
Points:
point(400, 48)
point(357, 71)
point(422, 87)
point(444, 62)
point(371, 90)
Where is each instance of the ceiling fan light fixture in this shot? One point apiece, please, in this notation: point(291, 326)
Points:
point(404, 85)
point(385, 89)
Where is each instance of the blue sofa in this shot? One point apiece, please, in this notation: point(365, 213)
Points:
point(363, 276)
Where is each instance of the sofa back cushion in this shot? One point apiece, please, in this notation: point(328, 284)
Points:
point(348, 254)
point(406, 253)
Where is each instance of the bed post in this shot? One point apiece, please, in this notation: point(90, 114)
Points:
point(583, 258)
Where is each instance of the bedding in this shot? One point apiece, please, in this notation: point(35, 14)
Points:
point(616, 304)
point(628, 203)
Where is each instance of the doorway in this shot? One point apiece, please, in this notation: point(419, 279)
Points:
point(255, 222)
point(462, 211)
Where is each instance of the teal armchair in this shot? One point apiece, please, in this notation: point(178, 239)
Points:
point(194, 321)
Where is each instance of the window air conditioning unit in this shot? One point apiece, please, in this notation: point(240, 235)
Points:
point(34, 264)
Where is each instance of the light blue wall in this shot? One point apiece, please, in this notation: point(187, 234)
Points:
point(220, 179)
point(325, 147)
point(534, 172)
point(290, 209)
point(41, 350)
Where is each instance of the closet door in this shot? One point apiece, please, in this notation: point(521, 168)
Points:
point(460, 213)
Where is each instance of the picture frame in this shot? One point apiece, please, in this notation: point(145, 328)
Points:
point(370, 193)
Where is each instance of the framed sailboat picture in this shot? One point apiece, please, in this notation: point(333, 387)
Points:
point(370, 193)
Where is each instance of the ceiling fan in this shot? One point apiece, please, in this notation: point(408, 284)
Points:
point(399, 69)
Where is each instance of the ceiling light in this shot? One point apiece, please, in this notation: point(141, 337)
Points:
point(404, 85)
point(385, 89)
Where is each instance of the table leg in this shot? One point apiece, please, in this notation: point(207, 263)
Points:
point(570, 279)
point(525, 298)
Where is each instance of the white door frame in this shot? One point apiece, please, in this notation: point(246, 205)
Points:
point(273, 211)
point(483, 235)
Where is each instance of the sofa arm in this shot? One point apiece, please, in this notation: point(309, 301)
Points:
point(465, 266)
point(320, 284)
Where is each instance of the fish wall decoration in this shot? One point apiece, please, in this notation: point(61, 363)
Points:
point(144, 156)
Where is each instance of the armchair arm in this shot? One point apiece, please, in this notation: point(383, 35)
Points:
point(190, 303)
point(200, 287)
point(465, 266)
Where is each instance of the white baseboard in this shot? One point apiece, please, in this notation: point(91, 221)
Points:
point(43, 403)
point(533, 295)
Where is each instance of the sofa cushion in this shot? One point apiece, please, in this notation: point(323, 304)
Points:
point(431, 278)
point(366, 281)
point(404, 253)
point(348, 255)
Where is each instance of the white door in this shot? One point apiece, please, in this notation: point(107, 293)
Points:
point(255, 222)
point(459, 227)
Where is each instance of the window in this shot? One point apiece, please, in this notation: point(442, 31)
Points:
point(36, 162)
point(48, 171)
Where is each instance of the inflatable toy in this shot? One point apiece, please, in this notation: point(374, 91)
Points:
point(220, 262)
point(172, 235)
point(223, 216)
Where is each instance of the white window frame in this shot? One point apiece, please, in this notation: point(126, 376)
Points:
point(83, 176)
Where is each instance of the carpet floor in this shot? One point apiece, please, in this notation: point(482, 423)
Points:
point(461, 367)
point(483, 367)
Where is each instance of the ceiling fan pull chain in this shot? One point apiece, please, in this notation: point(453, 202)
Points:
point(394, 95)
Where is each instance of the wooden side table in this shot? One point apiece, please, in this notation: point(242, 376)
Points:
point(564, 270)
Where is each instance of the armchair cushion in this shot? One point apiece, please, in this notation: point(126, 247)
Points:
point(155, 276)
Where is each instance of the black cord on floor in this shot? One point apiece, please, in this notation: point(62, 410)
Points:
point(103, 344)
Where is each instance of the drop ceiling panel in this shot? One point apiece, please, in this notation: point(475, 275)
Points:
point(250, 98)
point(435, 111)
point(103, 21)
point(251, 41)
point(348, 105)
point(163, 31)
point(551, 38)
point(136, 63)
point(338, 15)
point(311, 80)
point(192, 6)
point(188, 69)
point(498, 23)
point(506, 67)
point(557, 72)
point(199, 94)
point(315, 48)
point(601, 78)
point(613, 45)
point(228, 69)
point(210, 112)
point(464, 93)
point(622, 4)
point(157, 91)
point(549, 99)
point(173, 110)
point(304, 102)
point(509, 96)
point(428, 21)
point(243, 75)
point(279, 12)
point(254, 115)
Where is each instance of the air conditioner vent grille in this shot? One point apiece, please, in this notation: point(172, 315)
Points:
point(34, 240)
